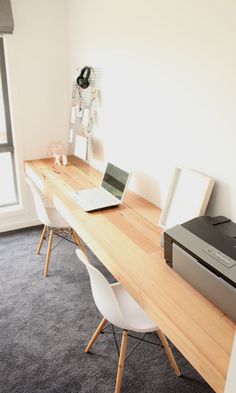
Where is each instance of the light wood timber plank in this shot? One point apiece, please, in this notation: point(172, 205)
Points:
point(45, 168)
point(198, 329)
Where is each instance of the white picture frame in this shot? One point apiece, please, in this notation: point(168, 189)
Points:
point(188, 197)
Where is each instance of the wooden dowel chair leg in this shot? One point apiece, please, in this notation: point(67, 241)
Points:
point(80, 244)
point(169, 353)
point(95, 335)
point(78, 241)
point(48, 253)
point(121, 361)
point(73, 234)
point(41, 239)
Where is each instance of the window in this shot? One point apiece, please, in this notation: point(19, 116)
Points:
point(8, 188)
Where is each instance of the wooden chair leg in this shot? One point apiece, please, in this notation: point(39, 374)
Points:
point(95, 335)
point(121, 361)
point(169, 353)
point(78, 241)
point(73, 234)
point(41, 239)
point(48, 253)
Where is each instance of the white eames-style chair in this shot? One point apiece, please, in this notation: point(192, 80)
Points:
point(51, 219)
point(121, 310)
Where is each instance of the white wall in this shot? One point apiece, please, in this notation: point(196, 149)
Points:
point(168, 88)
point(167, 91)
point(231, 377)
point(37, 62)
point(37, 56)
point(2, 118)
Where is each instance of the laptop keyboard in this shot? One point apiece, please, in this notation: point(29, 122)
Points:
point(94, 196)
point(99, 196)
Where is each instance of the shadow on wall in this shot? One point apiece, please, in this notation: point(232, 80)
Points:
point(146, 186)
point(97, 150)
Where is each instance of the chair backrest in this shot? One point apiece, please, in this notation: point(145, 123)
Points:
point(103, 294)
point(39, 204)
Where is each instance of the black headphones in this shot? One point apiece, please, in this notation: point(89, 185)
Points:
point(83, 78)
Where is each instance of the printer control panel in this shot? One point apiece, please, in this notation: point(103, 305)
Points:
point(220, 256)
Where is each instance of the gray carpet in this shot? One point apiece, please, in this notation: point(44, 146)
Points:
point(45, 325)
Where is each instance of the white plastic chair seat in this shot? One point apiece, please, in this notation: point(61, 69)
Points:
point(57, 221)
point(136, 319)
point(53, 214)
point(47, 202)
point(115, 303)
point(46, 212)
point(50, 218)
point(120, 309)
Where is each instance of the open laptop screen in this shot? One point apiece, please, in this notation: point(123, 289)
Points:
point(115, 180)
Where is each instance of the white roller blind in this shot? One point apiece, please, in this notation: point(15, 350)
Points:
point(6, 18)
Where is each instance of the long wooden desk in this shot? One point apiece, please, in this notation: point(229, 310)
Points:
point(127, 241)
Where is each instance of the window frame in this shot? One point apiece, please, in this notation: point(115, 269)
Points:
point(7, 147)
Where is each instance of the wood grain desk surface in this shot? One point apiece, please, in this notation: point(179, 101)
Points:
point(126, 239)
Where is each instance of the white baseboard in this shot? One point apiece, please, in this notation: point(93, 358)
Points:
point(25, 223)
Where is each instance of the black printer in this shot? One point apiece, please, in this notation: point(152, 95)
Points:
point(203, 252)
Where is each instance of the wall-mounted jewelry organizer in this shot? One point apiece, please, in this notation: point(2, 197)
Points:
point(83, 115)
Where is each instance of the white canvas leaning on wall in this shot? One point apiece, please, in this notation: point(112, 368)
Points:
point(188, 197)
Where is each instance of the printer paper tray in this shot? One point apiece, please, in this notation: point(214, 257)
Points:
point(219, 292)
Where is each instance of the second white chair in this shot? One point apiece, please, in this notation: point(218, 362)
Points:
point(121, 310)
point(51, 219)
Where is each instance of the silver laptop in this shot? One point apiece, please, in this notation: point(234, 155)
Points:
point(110, 193)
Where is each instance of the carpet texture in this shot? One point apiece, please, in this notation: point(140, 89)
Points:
point(45, 325)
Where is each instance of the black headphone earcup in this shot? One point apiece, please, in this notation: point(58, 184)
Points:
point(79, 81)
point(84, 84)
point(83, 78)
